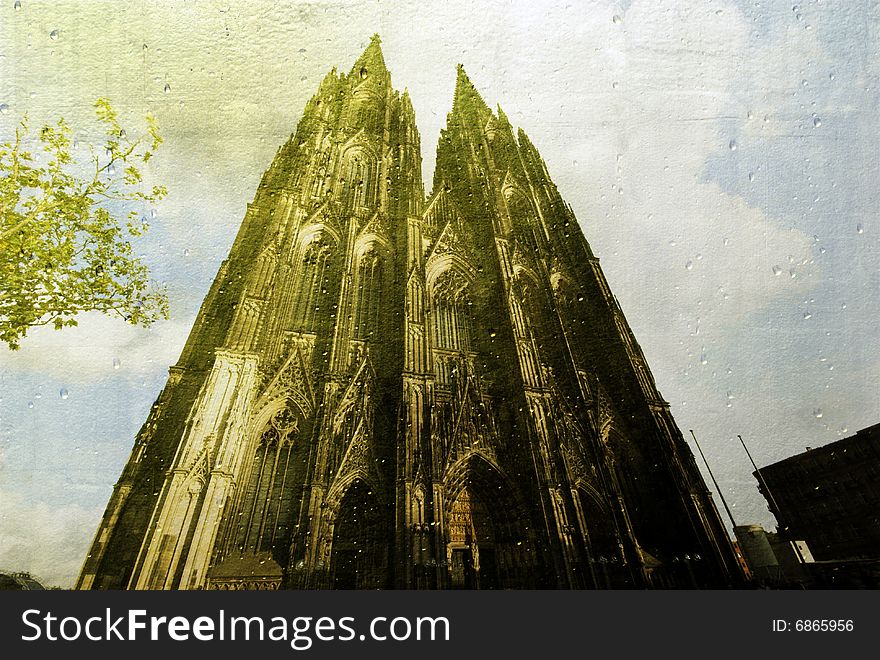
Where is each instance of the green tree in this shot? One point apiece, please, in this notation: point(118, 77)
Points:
point(65, 228)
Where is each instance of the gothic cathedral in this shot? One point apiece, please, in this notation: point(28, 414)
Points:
point(387, 391)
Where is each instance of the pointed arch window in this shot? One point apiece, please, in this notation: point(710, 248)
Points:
point(368, 293)
point(522, 216)
point(265, 513)
point(452, 312)
point(312, 284)
point(359, 180)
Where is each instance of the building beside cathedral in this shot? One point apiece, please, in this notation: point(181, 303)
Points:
point(387, 391)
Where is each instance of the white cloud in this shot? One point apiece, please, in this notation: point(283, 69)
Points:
point(96, 348)
point(50, 542)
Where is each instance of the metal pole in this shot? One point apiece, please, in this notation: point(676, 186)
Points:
point(770, 497)
point(714, 481)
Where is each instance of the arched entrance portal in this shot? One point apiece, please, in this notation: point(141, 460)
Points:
point(488, 545)
point(471, 547)
point(359, 555)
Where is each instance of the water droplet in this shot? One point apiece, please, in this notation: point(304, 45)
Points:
point(63, 393)
point(777, 270)
point(807, 315)
point(4, 108)
point(111, 170)
point(703, 358)
point(17, 5)
point(30, 404)
point(616, 19)
point(817, 122)
point(751, 176)
point(831, 76)
point(804, 83)
point(53, 35)
point(122, 134)
point(116, 363)
point(860, 229)
point(725, 241)
point(818, 413)
point(732, 145)
point(689, 265)
point(186, 252)
point(153, 214)
point(615, 85)
point(167, 88)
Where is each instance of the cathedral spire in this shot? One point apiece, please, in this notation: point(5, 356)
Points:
point(467, 99)
point(371, 61)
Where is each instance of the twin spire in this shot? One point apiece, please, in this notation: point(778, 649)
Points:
point(466, 97)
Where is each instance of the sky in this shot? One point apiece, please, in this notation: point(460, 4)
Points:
point(721, 157)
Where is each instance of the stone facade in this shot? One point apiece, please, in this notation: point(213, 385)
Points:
point(388, 391)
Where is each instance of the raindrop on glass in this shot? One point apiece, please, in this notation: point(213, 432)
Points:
point(817, 413)
point(186, 252)
point(689, 265)
point(817, 122)
point(616, 19)
point(732, 145)
point(53, 35)
point(4, 108)
point(122, 134)
point(63, 393)
point(116, 363)
point(860, 229)
point(17, 5)
point(111, 170)
point(777, 270)
point(831, 76)
point(30, 404)
point(751, 176)
point(167, 88)
point(807, 315)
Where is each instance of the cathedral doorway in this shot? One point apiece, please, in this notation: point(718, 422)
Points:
point(487, 539)
point(359, 555)
point(471, 547)
point(604, 554)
